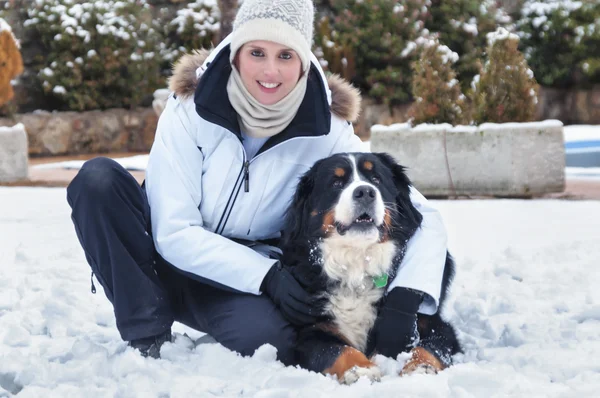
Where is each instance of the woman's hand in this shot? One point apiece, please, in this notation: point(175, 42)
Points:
point(295, 303)
point(395, 329)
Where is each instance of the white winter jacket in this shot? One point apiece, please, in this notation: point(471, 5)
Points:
point(204, 191)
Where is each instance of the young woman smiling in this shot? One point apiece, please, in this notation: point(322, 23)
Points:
point(198, 242)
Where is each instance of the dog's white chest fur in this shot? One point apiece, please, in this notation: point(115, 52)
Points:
point(355, 264)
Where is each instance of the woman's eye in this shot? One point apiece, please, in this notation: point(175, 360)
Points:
point(338, 184)
point(256, 53)
point(286, 55)
point(375, 180)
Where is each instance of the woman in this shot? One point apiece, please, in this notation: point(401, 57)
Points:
point(198, 242)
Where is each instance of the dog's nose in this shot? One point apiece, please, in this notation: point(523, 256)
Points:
point(364, 193)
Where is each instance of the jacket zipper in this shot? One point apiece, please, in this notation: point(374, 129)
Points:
point(246, 176)
point(236, 189)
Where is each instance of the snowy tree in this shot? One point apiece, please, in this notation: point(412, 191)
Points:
point(505, 90)
point(436, 90)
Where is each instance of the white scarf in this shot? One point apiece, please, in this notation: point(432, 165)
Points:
point(258, 120)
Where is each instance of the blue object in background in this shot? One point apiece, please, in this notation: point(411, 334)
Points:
point(583, 153)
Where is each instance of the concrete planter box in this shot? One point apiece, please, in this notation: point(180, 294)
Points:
point(510, 159)
point(13, 153)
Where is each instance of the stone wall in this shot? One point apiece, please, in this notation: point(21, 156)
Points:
point(68, 133)
point(570, 106)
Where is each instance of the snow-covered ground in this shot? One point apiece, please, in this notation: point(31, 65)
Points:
point(526, 303)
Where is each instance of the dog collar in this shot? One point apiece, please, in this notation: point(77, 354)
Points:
point(380, 281)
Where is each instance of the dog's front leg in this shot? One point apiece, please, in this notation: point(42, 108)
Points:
point(437, 346)
point(321, 349)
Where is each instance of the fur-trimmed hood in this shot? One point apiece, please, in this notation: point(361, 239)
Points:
point(345, 99)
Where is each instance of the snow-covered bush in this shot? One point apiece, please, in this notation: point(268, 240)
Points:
point(462, 25)
point(371, 42)
point(97, 54)
point(195, 26)
point(11, 64)
point(561, 41)
point(506, 90)
point(437, 93)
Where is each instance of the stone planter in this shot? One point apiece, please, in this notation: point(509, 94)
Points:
point(13, 153)
point(510, 159)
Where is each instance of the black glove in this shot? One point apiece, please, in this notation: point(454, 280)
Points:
point(395, 328)
point(295, 303)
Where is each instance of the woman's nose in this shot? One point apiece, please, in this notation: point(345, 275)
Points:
point(270, 67)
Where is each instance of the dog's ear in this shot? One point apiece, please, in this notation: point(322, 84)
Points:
point(411, 217)
point(297, 213)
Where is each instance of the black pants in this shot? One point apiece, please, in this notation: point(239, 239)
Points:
point(111, 215)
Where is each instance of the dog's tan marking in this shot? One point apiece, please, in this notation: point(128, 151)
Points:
point(422, 359)
point(328, 225)
point(340, 172)
point(314, 213)
point(349, 358)
point(368, 165)
point(387, 225)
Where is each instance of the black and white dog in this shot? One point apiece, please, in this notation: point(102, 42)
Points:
point(345, 236)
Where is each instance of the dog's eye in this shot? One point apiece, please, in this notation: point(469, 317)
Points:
point(375, 180)
point(337, 183)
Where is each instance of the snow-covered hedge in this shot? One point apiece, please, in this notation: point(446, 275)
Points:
point(112, 53)
point(504, 91)
point(561, 40)
point(373, 42)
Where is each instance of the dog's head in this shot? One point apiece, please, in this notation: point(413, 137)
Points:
point(362, 196)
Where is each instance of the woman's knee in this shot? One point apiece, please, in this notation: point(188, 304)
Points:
point(282, 337)
point(96, 180)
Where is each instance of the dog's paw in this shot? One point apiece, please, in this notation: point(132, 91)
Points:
point(422, 362)
point(421, 368)
point(373, 373)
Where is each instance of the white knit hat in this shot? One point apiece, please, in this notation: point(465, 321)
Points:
point(287, 22)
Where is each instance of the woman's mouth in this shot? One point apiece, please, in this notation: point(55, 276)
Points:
point(268, 87)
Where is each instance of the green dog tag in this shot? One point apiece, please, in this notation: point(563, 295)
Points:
point(380, 281)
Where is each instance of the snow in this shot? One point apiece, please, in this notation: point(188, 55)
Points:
point(500, 34)
point(138, 162)
point(204, 15)
point(525, 303)
point(585, 173)
point(4, 26)
point(581, 132)
point(542, 8)
point(11, 129)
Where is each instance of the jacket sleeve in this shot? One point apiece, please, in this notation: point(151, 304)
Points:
point(423, 265)
point(174, 189)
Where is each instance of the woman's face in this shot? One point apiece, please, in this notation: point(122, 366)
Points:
point(269, 70)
